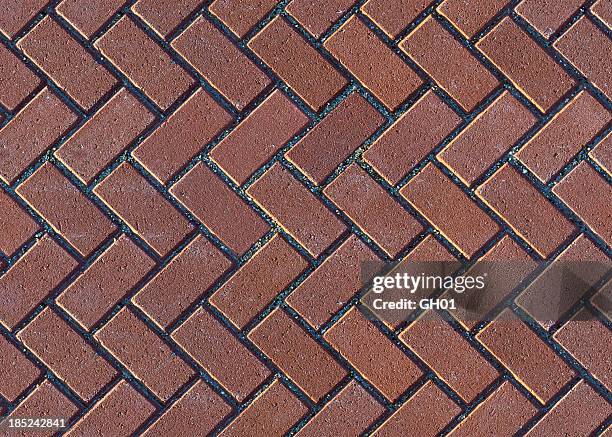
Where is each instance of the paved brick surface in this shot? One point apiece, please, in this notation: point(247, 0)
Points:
point(191, 193)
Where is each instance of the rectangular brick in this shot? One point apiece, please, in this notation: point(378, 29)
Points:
point(16, 224)
point(17, 373)
point(602, 153)
point(239, 16)
point(547, 16)
point(373, 209)
point(317, 16)
point(15, 14)
point(469, 16)
point(302, 67)
point(379, 69)
point(165, 15)
point(16, 80)
point(393, 16)
point(88, 16)
point(602, 9)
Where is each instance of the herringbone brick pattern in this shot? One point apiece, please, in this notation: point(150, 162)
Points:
point(188, 190)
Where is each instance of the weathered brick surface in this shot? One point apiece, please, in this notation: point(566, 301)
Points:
point(393, 16)
point(15, 14)
point(547, 15)
point(88, 16)
point(317, 16)
point(16, 224)
point(16, 371)
point(164, 15)
point(469, 16)
point(239, 16)
point(16, 80)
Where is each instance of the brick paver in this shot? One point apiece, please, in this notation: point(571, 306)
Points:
point(18, 224)
point(239, 16)
point(16, 80)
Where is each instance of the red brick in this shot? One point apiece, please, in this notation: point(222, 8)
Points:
point(411, 138)
point(335, 137)
point(258, 137)
point(373, 209)
point(33, 130)
point(564, 136)
point(239, 16)
point(272, 413)
point(168, 149)
point(526, 64)
point(70, 213)
point(526, 356)
point(392, 16)
point(426, 413)
point(449, 355)
point(373, 354)
point(526, 210)
point(547, 16)
point(197, 412)
point(296, 209)
point(297, 354)
point(317, 16)
point(182, 281)
point(144, 63)
point(373, 63)
point(105, 135)
point(350, 412)
point(99, 288)
point(221, 63)
point(164, 15)
point(67, 354)
point(487, 138)
point(221, 354)
point(602, 154)
point(504, 412)
point(17, 226)
point(449, 197)
point(16, 80)
point(603, 10)
point(601, 300)
point(236, 224)
point(121, 412)
point(88, 16)
point(469, 16)
point(326, 290)
point(16, 372)
point(67, 63)
point(15, 14)
point(579, 412)
point(42, 268)
point(297, 63)
point(256, 283)
point(129, 194)
point(450, 64)
point(144, 354)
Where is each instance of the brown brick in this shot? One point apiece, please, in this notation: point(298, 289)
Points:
point(350, 412)
point(373, 209)
point(236, 224)
point(579, 412)
point(121, 412)
point(297, 354)
point(129, 194)
point(297, 63)
point(469, 16)
point(412, 137)
point(88, 16)
point(526, 64)
point(144, 354)
point(373, 63)
point(70, 213)
point(256, 283)
point(168, 149)
point(239, 16)
point(317, 16)
point(105, 135)
point(602, 154)
point(564, 136)
point(257, 139)
point(425, 413)
point(449, 197)
point(335, 137)
point(504, 412)
point(526, 210)
point(526, 356)
point(16, 372)
point(42, 268)
point(449, 355)
point(99, 288)
point(392, 16)
point(272, 413)
point(547, 16)
point(16, 80)
point(17, 226)
point(221, 354)
point(197, 412)
point(296, 209)
point(449, 63)
point(487, 138)
point(182, 281)
point(603, 10)
point(15, 14)
point(144, 63)
point(33, 130)
point(164, 15)
point(372, 354)
point(601, 300)
point(67, 63)
point(221, 63)
point(67, 354)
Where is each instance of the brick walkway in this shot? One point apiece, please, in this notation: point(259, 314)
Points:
point(188, 191)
